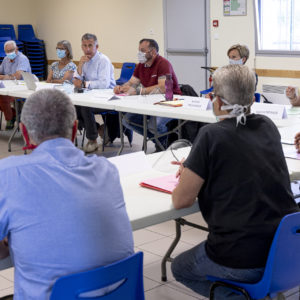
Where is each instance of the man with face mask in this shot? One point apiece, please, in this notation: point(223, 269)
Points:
point(148, 78)
point(94, 71)
point(13, 63)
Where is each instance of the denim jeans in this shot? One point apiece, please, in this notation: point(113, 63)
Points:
point(161, 124)
point(191, 267)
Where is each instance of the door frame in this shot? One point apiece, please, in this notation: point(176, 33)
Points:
point(207, 36)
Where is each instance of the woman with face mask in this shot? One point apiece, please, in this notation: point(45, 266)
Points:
point(238, 55)
point(63, 69)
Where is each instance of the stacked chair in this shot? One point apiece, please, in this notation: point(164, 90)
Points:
point(34, 49)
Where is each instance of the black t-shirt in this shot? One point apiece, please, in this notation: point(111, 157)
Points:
point(246, 190)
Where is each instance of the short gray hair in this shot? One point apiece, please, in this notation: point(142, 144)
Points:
point(9, 43)
point(90, 36)
point(48, 113)
point(235, 83)
point(68, 46)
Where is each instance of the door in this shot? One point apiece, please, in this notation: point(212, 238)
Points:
point(186, 40)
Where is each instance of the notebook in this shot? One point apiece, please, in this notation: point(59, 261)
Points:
point(174, 103)
point(164, 184)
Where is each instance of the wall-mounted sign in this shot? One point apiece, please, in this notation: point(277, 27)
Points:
point(235, 7)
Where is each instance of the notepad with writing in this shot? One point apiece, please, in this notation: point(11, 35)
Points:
point(164, 184)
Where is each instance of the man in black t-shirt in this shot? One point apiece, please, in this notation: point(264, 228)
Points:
point(237, 169)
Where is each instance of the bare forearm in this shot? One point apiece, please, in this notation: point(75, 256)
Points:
point(295, 101)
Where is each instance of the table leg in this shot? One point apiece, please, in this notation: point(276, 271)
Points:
point(121, 134)
point(167, 258)
point(145, 133)
point(17, 127)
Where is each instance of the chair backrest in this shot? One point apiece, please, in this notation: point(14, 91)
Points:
point(283, 265)
point(187, 90)
point(7, 30)
point(127, 71)
point(26, 32)
point(131, 269)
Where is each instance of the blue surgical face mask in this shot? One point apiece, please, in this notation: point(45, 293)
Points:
point(60, 53)
point(236, 62)
point(11, 55)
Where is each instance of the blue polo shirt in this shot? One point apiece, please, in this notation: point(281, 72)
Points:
point(63, 212)
point(20, 63)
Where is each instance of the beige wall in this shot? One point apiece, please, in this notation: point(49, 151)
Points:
point(120, 24)
point(240, 29)
point(17, 12)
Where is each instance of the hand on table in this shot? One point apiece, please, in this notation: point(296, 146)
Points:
point(181, 167)
point(290, 92)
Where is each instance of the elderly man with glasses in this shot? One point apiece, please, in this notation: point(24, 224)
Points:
point(13, 63)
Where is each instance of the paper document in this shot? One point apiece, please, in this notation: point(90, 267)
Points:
point(131, 163)
point(291, 153)
point(288, 134)
point(164, 184)
point(295, 186)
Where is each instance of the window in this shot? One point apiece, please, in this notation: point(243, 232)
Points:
point(278, 26)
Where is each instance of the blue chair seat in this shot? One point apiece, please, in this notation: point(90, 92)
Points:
point(71, 287)
point(282, 271)
point(126, 72)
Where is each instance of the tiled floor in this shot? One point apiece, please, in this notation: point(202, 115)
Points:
point(153, 241)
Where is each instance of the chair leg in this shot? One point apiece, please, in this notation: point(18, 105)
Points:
point(1, 119)
point(83, 135)
point(227, 285)
point(104, 134)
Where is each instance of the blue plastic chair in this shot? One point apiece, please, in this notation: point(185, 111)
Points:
point(7, 30)
point(205, 92)
point(131, 269)
point(257, 97)
point(282, 271)
point(126, 72)
point(26, 34)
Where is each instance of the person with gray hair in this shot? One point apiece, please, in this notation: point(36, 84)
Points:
point(95, 71)
point(10, 69)
point(63, 69)
point(237, 170)
point(63, 212)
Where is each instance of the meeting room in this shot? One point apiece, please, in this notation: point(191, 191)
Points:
point(149, 149)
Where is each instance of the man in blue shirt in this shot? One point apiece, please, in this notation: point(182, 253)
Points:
point(94, 71)
point(63, 212)
point(13, 63)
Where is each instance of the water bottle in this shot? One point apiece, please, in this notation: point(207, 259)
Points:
point(169, 87)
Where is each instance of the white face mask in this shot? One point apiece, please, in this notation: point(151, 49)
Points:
point(141, 57)
point(236, 62)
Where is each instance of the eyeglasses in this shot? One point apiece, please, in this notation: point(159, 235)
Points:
point(58, 48)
